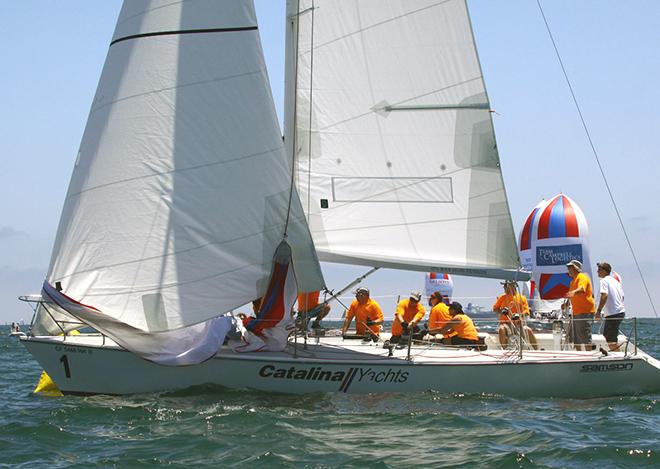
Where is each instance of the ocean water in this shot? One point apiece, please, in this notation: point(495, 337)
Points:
point(218, 427)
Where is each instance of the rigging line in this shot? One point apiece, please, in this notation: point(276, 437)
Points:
point(595, 153)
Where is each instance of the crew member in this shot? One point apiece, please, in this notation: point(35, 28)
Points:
point(439, 315)
point(610, 304)
point(408, 313)
point(460, 324)
point(581, 296)
point(309, 307)
point(367, 313)
point(511, 307)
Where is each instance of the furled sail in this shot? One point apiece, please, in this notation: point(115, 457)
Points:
point(181, 188)
point(396, 159)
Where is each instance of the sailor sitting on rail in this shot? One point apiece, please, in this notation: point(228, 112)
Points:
point(512, 306)
point(408, 313)
point(439, 315)
point(461, 325)
point(367, 313)
point(309, 307)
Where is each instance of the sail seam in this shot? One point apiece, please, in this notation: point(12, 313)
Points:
point(177, 87)
point(266, 153)
point(184, 31)
point(375, 25)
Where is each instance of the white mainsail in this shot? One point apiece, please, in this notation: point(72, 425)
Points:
point(181, 188)
point(397, 164)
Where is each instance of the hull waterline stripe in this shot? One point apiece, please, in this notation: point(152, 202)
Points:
point(185, 31)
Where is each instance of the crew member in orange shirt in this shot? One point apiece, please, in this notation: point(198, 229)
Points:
point(367, 313)
point(439, 315)
point(309, 307)
point(462, 325)
point(408, 313)
point(512, 308)
point(581, 296)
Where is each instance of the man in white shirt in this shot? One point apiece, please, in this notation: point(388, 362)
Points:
point(611, 301)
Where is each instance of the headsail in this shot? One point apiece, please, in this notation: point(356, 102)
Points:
point(397, 163)
point(180, 190)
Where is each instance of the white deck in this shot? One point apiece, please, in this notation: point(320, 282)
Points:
point(338, 350)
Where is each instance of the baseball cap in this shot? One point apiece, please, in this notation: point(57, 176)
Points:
point(364, 290)
point(575, 263)
point(605, 266)
point(415, 295)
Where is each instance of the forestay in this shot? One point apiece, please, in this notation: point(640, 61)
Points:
point(180, 190)
point(396, 159)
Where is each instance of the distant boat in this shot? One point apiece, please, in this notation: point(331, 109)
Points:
point(15, 330)
point(184, 204)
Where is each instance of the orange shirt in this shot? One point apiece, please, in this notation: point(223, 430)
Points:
point(516, 303)
point(582, 303)
point(465, 328)
point(362, 313)
point(409, 311)
point(308, 301)
point(439, 316)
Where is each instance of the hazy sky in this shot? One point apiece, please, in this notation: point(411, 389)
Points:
point(51, 58)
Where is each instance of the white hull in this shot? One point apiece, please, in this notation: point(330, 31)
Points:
point(341, 366)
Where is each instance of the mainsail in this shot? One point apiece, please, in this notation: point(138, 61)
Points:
point(181, 187)
point(396, 159)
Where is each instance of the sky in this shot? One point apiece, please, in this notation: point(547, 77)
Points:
point(52, 53)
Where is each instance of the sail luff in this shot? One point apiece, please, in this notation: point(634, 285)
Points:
point(492, 124)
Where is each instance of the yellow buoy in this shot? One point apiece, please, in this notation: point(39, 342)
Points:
point(47, 386)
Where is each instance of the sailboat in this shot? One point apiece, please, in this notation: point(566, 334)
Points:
point(185, 203)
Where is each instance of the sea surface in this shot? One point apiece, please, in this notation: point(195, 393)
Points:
point(218, 427)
